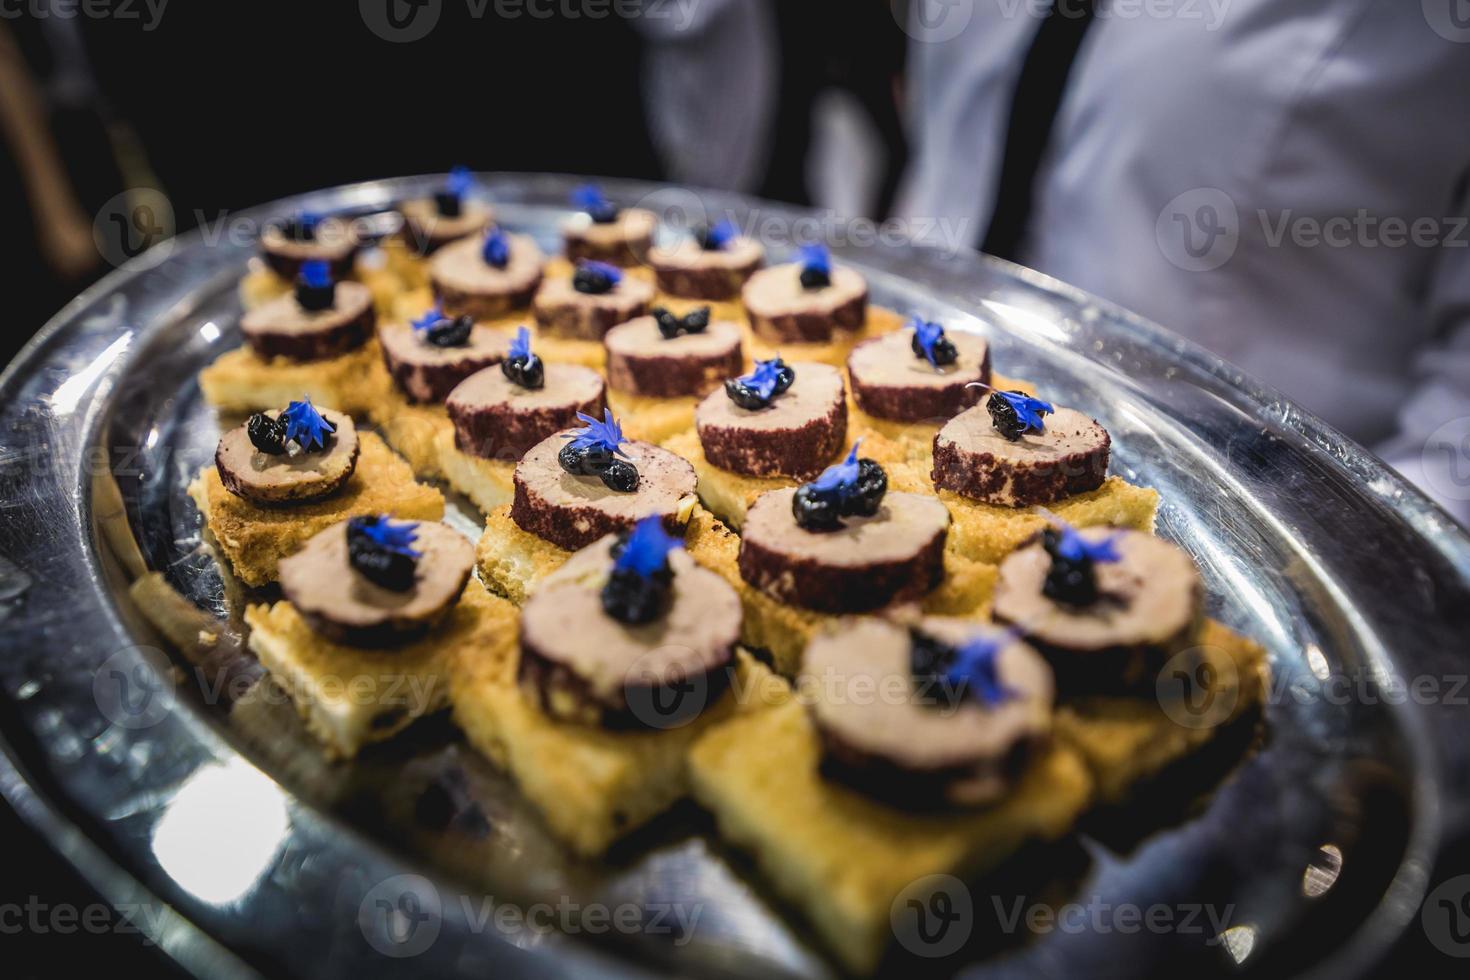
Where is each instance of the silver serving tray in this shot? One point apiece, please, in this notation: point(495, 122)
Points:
point(246, 852)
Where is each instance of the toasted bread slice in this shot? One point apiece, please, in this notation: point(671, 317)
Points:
point(349, 696)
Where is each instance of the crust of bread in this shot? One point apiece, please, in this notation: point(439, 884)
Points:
point(240, 382)
point(349, 697)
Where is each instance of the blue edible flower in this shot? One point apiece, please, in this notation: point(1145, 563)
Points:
point(459, 181)
point(307, 221)
point(497, 249)
point(306, 426)
point(975, 666)
point(764, 379)
point(646, 552)
point(842, 476)
point(611, 273)
point(816, 258)
point(1029, 411)
point(1072, 546)
point(434, 315)
point(589, 198)
point(316, 273)
point(396, 538)
point(520, 344)
point(719, 236)
point(606, 435)
point(927, 334)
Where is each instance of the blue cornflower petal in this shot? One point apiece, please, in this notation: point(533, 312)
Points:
point(397, 538)
point(610, 272)
point(520, 344)
point(305, 425)
point(496, 251)
point(840, 476)
point(976, 667)
point(460, 181)
point(1074, 547)
point(647, 549)
point(606, 435)
point(434, 314)
point(316, 273)
point(816, 257)
point(719, 236)
point(928, 335)
point(764, 378)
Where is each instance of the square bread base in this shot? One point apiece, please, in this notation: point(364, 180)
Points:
point(256, 538)
point(727, 495)
point(652, 419)
point(512, 561)
point(591, 785)
point(349, 696)
point(489, 483)
point(1127, 740)
point(987, 533)
point(240, 382)
point(783, 630)
point(841, 858)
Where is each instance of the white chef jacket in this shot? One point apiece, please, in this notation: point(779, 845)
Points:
point(1282, 181)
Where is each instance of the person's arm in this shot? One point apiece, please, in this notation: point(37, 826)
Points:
point(1432, 446)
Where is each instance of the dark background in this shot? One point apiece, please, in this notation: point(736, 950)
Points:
point(237, 104)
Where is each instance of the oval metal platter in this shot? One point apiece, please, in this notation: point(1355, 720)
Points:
point(225, 836)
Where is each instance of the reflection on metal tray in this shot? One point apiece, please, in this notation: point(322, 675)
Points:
point(1318, 848)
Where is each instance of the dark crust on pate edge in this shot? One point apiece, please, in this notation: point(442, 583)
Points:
point(800, 453)
point(811, 327)
point(231, 482)
point(671, 376)
point(624, 253)
point(543, 678)
point(693, 282)
point(484, 306)
point(557, 523)
point(505, 432)
point(911, 789)
point(977, 475)
point(918, 403)
point(390, 633)
point(842, 589)
point(315, 345)
point(289, 268)
point(586, 320)
point(440, 377)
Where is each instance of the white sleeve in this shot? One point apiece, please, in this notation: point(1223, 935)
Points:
point(1432, 445)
